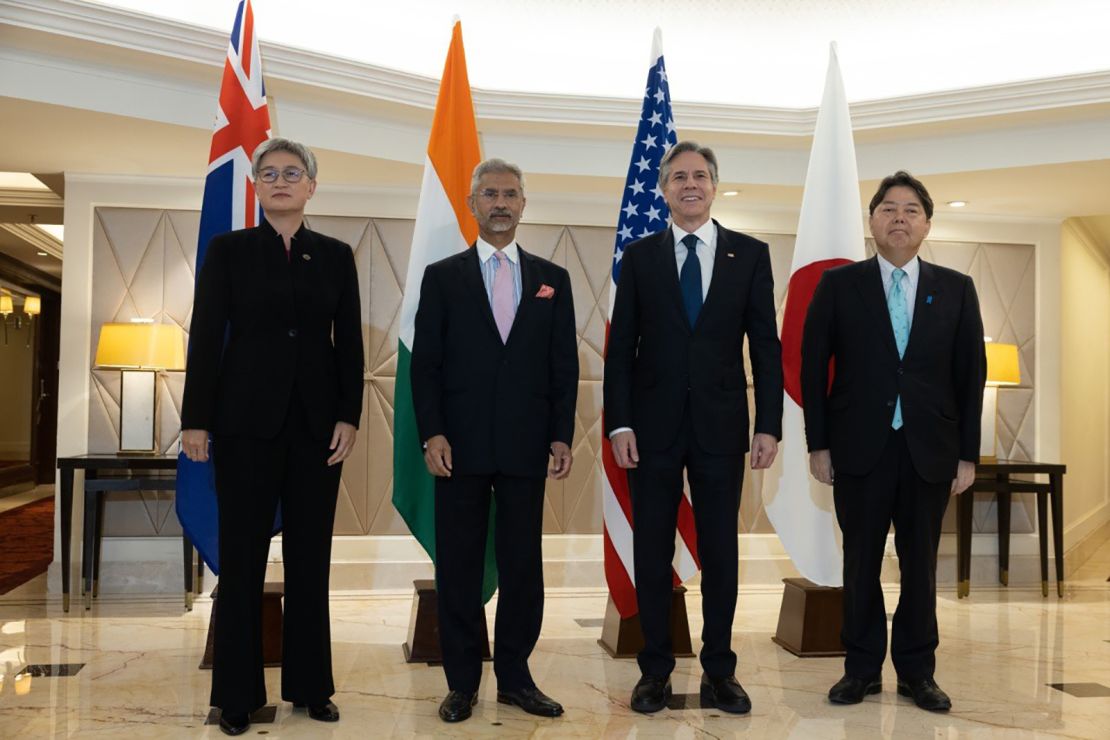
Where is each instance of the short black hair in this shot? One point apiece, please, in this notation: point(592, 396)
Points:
point(901, 178)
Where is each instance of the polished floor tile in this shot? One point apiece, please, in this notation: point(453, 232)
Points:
point(1016, 665)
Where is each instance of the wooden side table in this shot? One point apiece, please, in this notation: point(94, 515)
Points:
point(995, 477)
point(126, 473)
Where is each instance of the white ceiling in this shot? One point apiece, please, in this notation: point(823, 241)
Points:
point(740, 52)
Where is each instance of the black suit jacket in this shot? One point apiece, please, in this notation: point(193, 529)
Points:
point(940, 377)
point(499, 405)
point(291, 325)
point(655, 360)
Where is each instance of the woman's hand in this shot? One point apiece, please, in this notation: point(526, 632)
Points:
point(194, 443)
point(342, 440)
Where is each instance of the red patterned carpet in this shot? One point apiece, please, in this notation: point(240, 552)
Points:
point(26, 542)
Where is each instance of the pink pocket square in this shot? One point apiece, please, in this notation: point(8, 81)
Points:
point(545, 291)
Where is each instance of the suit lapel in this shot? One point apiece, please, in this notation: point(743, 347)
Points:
point(529, 286)
point(870, 286)
point(927, 289)
point(472, 278)
point(724, 243)
point(669, 270)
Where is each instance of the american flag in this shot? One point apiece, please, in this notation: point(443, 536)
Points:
point(242, 123)
point(643, 212)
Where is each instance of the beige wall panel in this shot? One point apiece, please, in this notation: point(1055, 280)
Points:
point(1085, 399)
point(143, 266)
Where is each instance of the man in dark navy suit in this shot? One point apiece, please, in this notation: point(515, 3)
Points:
point(676, 400)
point(896, 434)
point(494, 385)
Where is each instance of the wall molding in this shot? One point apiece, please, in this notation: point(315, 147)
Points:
point(75, 19)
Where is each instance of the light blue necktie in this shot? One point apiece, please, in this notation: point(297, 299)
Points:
point(900, 322)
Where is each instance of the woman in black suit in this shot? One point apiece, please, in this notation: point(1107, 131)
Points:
point(275, 375)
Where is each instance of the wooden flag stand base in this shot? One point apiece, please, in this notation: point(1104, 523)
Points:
point(271, 626)
point(624, 638)
point(423, 643)
point(810, 619)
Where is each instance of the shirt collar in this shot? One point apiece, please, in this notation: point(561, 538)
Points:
point(486, 250)
point(269, 228)
point(706, 233)
point(911, 268)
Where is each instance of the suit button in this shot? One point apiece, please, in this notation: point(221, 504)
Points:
point(901, 371)
point(293, 333)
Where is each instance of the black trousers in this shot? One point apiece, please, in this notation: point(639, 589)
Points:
point(656, 487)
point(462, 511)
point(252, 476)
point(865, 507)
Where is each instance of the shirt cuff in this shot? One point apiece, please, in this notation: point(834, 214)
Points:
point(618, 430)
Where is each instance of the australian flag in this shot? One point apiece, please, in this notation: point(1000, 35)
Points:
point(242, 123)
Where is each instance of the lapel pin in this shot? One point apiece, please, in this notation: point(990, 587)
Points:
point(307, 257)
point(730, 254)
point(928, 298)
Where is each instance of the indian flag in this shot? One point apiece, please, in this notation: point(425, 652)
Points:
point(444, 226)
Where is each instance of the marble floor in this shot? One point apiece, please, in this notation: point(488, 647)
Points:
point(128, 668)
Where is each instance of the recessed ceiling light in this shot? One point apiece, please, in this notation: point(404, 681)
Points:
point(40, 253)
point(730, 193)
point(957, 203)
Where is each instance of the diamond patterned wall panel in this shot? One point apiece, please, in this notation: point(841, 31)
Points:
point(143, 266)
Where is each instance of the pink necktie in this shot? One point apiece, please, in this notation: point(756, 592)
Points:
point(503, 308)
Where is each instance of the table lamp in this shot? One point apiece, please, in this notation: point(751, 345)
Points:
point(1002, 369)
point(139, 349)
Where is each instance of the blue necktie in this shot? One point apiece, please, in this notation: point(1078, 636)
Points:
point(690, 280)
point(900, 322)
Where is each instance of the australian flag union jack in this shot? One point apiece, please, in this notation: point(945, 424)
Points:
point(242, 123)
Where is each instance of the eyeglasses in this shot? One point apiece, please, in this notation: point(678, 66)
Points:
point(289, 174)
point(491, 195)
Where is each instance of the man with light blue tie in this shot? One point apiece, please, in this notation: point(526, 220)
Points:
point(895, 433)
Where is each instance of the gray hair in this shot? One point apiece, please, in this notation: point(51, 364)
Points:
point(491, 165)
point(681, 148)
point(278, 144)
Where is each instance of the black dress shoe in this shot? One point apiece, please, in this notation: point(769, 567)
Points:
point(320, 712)
point(456, 706)
point(725, 694)
point(531, 700)
point(651, 694)
point(851, 690)
point(234, 724)
point(925, 694)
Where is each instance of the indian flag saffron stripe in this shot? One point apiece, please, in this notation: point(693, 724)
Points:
point(444, 226)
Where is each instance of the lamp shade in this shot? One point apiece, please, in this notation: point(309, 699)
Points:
point(1002, 364)
point(145, 345)
point(32, 305)
point(6, 306)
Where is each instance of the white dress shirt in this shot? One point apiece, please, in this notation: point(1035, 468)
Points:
point(489, 267)
point(909, 283)
point(706, 251)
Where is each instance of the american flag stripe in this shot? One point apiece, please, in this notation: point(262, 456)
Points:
point(643, 212)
